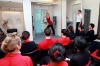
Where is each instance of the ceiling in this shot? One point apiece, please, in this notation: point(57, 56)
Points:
point(10, 4)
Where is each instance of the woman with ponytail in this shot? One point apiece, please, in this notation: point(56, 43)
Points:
point(56, 53)
point(11, 46)
point(81, 57)
point(29, 48)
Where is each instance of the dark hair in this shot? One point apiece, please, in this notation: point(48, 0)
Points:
point(64, 31)
point(80, 11)
point(47, 32)
point(80, 43)
point(11, 30)
point(71, 29)
point(56, 52)
point(25, 35)
point(92, 25)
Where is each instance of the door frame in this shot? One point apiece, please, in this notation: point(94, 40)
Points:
point(98, 23)
point(73, 16)
point(34, 31)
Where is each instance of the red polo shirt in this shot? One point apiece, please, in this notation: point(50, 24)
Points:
point(64, 41)
point(49, 21)
point(16, 60)
point(63, 63)
point(46, 44)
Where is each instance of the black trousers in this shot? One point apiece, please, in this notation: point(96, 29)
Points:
point(77, 25)
point(51, 28)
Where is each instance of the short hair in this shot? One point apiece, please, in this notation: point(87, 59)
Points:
point(71, 29)
point(25, 35)
point(64, 31)
point(80, 43)
point(92, 25)
point(47, 32)
point(80, 11)
point(57, 52)
point(10, 43)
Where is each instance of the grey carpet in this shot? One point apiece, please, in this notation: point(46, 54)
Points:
point(40, 37)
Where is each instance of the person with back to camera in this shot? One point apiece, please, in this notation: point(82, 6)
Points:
point(44, 46)
point(9, 31)
point(11, 46)
point(71, 33)
point(81, 57)
point(28, 48)
point(64, 40)
point(81, 31)
point(50, 23)
point(56, 54)
point(47, 42)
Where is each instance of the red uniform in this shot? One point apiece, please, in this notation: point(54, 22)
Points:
point(46, 44)
point(64, 41)
point(16, 60)
point(63, 63)
point(49, 21)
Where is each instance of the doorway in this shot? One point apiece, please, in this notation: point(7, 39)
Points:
point(99, 24)
point(75, 8)
point(40, 22)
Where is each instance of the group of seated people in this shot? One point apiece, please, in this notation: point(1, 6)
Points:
point(49, 52)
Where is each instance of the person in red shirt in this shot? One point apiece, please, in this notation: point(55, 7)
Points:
point(11, 46)
point(64, 40)
point(47, 42)
point(56, 54)
point(50, 23)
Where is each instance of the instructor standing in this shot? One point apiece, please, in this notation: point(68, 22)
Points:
point(79, 20)
point(50, 23)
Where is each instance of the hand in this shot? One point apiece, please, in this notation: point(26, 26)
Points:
point(67, 59)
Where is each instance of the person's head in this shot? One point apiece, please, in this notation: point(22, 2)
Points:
point(25, 35)
point(79, 11)
point(47, 14)
point(81, 28)
point(47, 32)
point(71, 29)
point(80, 43)
point(56, 52)
point(91, 26)
point(11, 31)
point(11, 43)
point(64, 32)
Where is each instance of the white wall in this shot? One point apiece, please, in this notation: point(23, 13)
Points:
point(15, 20)
point(70, 8)
point(0, 14)
point(60, 11)
point(94, 6)
point(57, 12)
point(64, 13)
point(27, 11)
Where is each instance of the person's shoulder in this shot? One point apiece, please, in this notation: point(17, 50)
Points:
point(26, 58)
point(53, 39)
point(59, 39)
point(63, 63)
